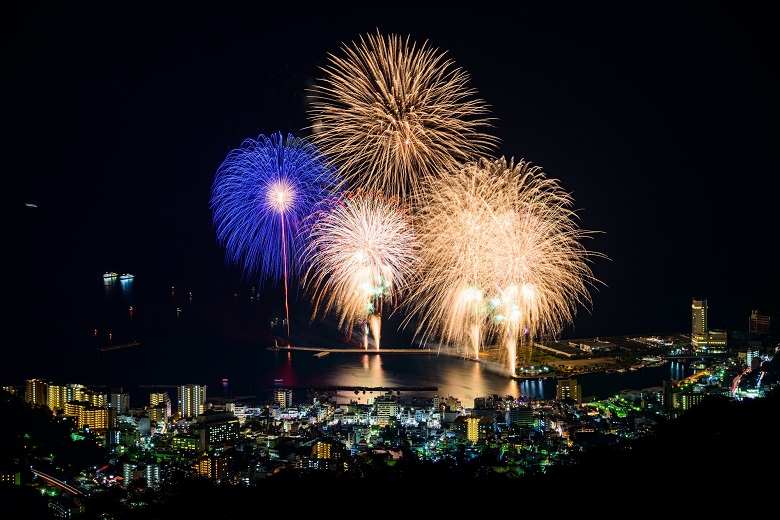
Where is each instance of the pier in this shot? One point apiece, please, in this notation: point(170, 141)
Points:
point(357, 389)
point(321, 351)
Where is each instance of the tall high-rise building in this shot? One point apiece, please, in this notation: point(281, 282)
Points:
point(758, 323)
point(192, 400)
point(120, 401)
point(699, 322)
point(37, 392)
point(59, 395)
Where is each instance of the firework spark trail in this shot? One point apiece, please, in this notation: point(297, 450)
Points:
point(502, 258)
point(362, 254)
point(262, 194)
point(499, 252)
point(392, 115)
point(542, 268)
point(455, 222)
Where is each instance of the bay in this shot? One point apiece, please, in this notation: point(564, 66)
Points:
point(142, 336)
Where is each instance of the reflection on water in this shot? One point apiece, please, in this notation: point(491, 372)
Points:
point(677, 371)
point(533, 388)
point(451, 376)
point(215, 339)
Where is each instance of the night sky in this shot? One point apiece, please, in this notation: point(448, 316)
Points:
point(660, 120)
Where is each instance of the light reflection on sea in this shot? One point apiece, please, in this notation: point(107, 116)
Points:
point(190, 337)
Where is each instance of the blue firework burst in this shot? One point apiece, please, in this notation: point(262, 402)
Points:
point(261, 197)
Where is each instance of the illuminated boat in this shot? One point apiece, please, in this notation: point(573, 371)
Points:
point(126, 276)
point(109, 275)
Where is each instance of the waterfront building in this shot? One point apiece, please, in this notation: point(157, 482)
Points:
point(702, 338)
point(569, 389)
point(717, 341)
point(699, 323)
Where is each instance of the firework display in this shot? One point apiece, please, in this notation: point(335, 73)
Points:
point(395, 204)
point(261, 196)
point(393, 116)
point(362, 253)
point(502, 259)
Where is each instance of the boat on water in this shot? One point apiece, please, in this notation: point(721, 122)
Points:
point(109, 275)
point(126, 276)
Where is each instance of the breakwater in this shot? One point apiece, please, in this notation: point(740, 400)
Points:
point(357, 350)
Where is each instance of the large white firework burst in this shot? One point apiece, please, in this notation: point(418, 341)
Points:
point(503, 258)
point(362, 254)
point(392, 115)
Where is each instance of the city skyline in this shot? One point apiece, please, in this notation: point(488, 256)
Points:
point(657, 125)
